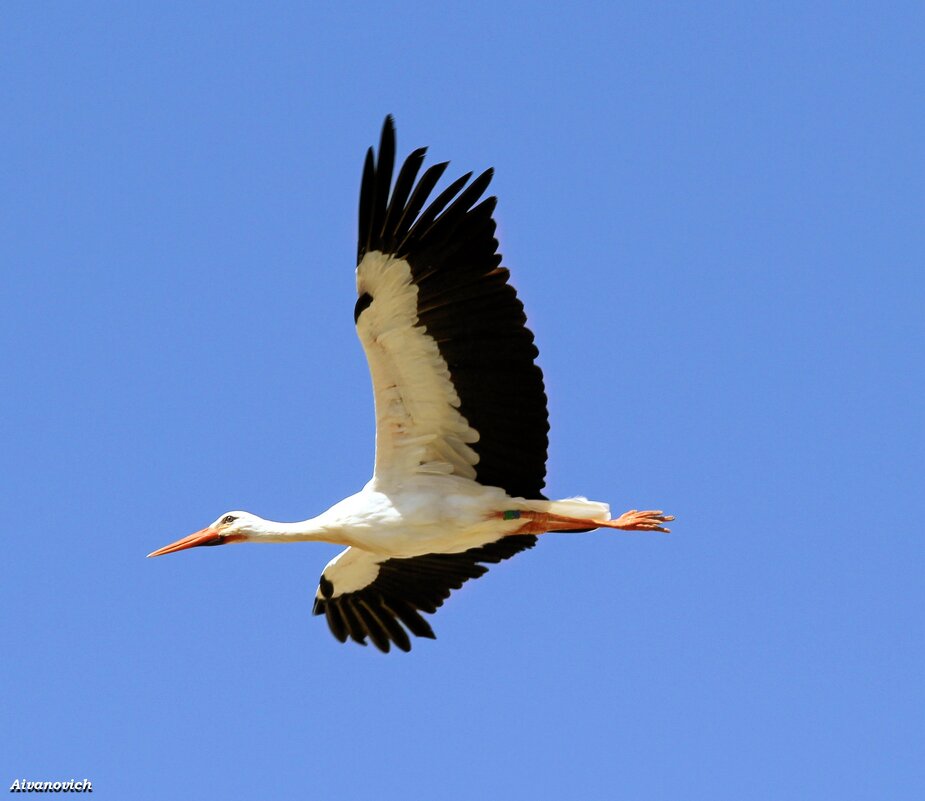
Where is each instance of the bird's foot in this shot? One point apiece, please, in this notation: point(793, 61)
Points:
point(634, 520)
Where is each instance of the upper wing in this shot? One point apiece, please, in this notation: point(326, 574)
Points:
point(451, 358)
point(364, 595)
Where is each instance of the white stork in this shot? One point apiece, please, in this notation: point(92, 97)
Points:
point(461, 421)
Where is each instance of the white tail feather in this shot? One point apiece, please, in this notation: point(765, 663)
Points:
point(571, 507)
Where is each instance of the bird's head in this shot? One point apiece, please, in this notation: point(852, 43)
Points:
point(230, 527)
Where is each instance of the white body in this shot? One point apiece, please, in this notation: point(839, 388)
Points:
point(436, 514)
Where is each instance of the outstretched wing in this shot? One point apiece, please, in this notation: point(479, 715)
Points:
point(451, 358)
point(364, 595)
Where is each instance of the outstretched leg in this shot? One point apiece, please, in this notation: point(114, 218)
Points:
point(641, 521)
point(541, 522)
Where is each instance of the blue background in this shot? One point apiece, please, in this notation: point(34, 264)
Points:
point(714, 217)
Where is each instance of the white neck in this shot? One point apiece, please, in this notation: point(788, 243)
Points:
point(315, 529)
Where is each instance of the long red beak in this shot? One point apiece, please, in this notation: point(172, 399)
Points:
point(206, 536)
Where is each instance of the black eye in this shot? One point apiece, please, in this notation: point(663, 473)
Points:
point(228, 519)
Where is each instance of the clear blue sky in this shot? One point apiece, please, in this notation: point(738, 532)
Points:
point(714, 217)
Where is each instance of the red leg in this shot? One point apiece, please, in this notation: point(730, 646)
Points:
point(540, 522)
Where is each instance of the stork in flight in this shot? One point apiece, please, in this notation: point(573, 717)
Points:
point(461, 421)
